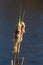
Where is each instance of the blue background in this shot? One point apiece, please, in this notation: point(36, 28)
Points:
point(32, 44)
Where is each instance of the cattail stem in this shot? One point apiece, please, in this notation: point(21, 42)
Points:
point(12, 62)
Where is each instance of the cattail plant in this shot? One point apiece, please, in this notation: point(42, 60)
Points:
point(19, 31)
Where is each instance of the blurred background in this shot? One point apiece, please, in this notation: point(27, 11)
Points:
point(32, 44)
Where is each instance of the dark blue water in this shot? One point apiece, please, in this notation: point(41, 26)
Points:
point(32, 45)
